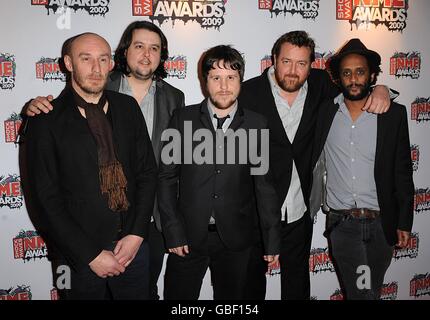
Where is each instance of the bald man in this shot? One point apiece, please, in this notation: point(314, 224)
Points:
point(93, 174)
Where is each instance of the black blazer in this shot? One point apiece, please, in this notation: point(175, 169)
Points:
point(393, 165)
point(226, 189)
point(64, 176)
point(167, 99)
point(257, 95)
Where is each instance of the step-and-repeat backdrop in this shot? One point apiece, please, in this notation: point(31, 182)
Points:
point(30, 44)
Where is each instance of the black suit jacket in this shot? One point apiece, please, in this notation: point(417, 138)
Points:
point(64, 176)
point(228, 190)
point(167, 99)
point(393, 165)
point(257, 95)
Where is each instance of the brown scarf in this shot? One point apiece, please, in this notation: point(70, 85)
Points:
point(112, 179)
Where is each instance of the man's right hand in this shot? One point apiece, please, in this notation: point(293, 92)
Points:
point(106, 265)
point(38, 105)
point(180, 251)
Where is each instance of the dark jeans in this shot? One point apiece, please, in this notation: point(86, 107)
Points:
point(294, 261)
point(130, 285)
point(156, 256)
point(184, 275)
point(358, 242)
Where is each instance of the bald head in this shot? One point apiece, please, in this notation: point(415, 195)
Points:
point(89, 60)
point(86, 39)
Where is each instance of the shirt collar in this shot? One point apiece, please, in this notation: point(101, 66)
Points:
point(211, 109)
point(125, 85)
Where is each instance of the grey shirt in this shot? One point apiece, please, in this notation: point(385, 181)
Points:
point(350, 160)
point(147, 104)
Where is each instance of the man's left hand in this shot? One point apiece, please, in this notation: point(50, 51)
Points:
point(126, 249)
point(271, 260)
point(378, 101)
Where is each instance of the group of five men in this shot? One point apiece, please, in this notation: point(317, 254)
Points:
point(98, 156)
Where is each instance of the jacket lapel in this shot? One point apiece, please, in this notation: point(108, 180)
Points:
point(380, 135)
point(161, 118)
point(205, 117)
point(268, 108)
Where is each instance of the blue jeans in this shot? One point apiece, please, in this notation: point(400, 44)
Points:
point(358, 242)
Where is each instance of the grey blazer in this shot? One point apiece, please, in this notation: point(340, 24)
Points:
point(167, 99)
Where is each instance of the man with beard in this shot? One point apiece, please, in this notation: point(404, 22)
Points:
point(139, 70)
point(93, 173)
point(208, 209)
point(369, 187)
point(289, 94)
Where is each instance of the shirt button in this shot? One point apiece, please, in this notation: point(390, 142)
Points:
point(352, 143)
point(354, 195)
point(352, 160)
point(353, 127)
point(220, 147)
point(353, 178)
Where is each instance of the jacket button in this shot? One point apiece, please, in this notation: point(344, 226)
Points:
point(215, 196)
point(218, 171)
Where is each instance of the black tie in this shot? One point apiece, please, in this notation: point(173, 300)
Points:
point(220, 121)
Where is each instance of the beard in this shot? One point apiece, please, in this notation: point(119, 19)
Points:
point(363, 93)
point(223, 104)
point(289, 82)
point(142, 75)
point(87, 88)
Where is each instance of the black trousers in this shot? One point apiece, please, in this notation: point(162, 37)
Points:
point(184, 275)
point(86, 285)
point(294, 260)
point(156, 258)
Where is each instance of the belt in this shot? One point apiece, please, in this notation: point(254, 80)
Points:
point(358, 212)
point(212, 227)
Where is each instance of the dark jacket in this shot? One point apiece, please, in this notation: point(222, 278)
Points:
point(189, 193)
point(257, 96)
point(393, 165)
point(167, 99)
point(64, 176)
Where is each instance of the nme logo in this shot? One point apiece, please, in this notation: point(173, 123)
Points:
point(49, 69)
point(420, 285)
point(411, 250)
point(389, 291)
point(420, 109)
point(7, 71)
point(29, 245)
point(415, 156)
point(19, 293)
point(265, 4)
point(421, 199)
point(391, 13)
point(11, 128)
point(176, 66)
point(39, 2)
point(308, 9)
point(320, 261)
point(321, 59)
point(337, 295)
point(406, 64)
point(142, 7)
point(266, 62)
